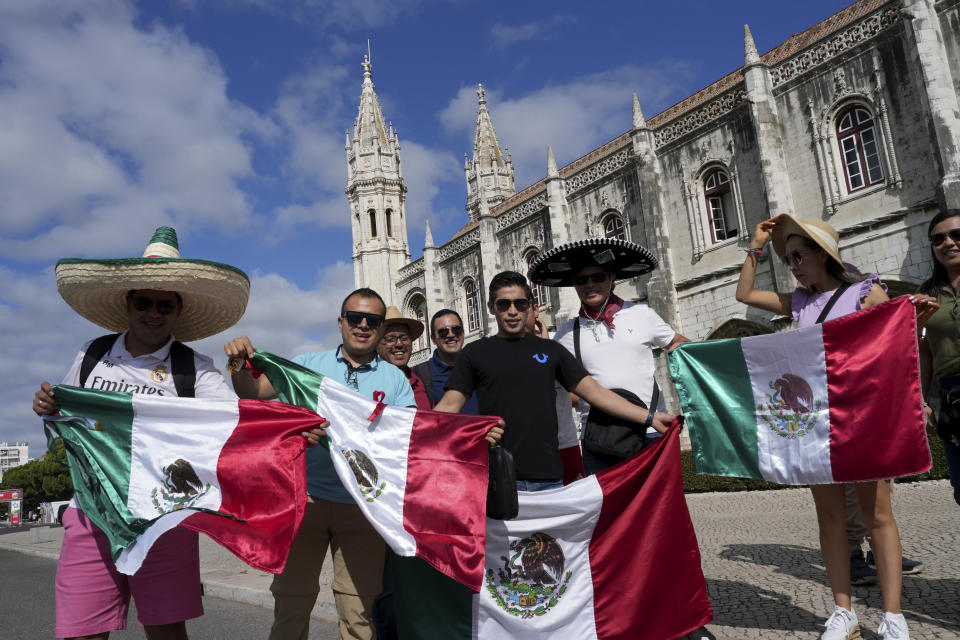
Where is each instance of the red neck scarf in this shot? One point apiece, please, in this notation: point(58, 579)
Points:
point(614, 304)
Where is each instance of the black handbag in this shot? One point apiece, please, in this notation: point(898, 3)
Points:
point(948, 418)
point(502, 488)
point(608, 435)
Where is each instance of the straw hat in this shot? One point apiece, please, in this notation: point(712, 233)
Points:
point(556, 268)
point(819, 231)
point(415, 327)
point(214, 294)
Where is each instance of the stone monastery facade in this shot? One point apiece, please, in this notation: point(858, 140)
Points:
point(855, 121)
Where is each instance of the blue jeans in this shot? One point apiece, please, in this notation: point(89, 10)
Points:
point(538, 485)
point(594, 463)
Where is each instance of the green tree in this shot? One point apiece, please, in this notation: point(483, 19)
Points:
point(42, 480)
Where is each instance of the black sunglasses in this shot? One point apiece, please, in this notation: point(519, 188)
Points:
point(456, 330)
point(356, 318)
point(598, 277)
point(503, 304)
point(938, 239)
point(164, 307)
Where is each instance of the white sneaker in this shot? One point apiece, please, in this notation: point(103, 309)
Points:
point(842, 625)
point(893, 627)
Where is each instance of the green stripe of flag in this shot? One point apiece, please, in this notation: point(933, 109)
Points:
point(101, 457)
point(714, 388)
point(293, 383)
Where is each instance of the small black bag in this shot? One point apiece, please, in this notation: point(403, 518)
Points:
point(502, 488)
point(610, 436)
point(948, 418)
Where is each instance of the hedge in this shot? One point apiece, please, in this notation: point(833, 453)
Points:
point(694, 483)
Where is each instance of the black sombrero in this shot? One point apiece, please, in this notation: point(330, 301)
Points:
point(556, 268)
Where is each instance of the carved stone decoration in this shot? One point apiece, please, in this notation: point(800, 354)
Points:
point(411, 270)
point(521, 211)
point(461, 244)
point(840, 83)
point(834, 45)
point(598, 171)
point(706, 114)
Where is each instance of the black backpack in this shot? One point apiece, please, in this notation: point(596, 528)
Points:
point(181, 363)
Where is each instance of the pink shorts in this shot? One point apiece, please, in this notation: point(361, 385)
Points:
point(93, 597)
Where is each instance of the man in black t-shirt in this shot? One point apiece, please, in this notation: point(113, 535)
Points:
point(513, 374)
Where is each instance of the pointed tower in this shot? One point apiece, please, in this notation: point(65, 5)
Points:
point(490, 173)
point(377, 197)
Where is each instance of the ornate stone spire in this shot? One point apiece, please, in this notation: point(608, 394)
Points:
point(551, 164)
point(750, 55)
point(489, 165)
point(428, 237)
point(369, 127)
point(638, 120)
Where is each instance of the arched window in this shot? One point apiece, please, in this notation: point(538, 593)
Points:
point(418, 309)
point(373, 223)
point(613, 227)
point(716, 190)
point(389, 223)
point(859, 150)
point(473, 305)
point(539, 295)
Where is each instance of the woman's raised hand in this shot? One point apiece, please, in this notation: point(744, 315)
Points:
point(761, 235)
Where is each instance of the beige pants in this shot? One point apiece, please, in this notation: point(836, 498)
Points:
point(358, 552)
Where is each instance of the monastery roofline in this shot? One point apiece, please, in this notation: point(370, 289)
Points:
point(790, 47)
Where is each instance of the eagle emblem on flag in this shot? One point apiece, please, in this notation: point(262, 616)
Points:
point(365, 472)
point(181, 488)
point(790, 409)
point(532, 580)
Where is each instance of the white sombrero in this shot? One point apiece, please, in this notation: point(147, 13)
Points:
point(214, 294)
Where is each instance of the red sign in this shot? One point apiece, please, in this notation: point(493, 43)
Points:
point(12, 494)
point(15, 513)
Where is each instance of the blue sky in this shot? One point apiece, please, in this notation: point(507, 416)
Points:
point(226, 119)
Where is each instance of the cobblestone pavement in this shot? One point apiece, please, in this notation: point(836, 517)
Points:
point(766, 579)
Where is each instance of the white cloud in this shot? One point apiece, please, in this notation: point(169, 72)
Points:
point(40, 334)
point(505, 35)
point(108, 130)
point(574, 117)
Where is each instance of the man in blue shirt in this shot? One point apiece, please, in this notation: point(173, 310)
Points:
point(446, 330)
point(332, 518)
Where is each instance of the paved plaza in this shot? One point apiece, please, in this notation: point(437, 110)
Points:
point(760, 558)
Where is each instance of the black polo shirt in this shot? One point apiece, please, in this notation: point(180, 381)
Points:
point(514, 379)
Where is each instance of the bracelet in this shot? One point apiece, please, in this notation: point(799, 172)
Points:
point(649, 421)
point(754, 252)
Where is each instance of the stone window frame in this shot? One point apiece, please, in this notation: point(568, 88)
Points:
point(411, 309)
point(608, 216)
point(539, 291)
point(472, 321)
point(829, 154)
point(716, 185)
point(698, 216)
point(854, 126)
point(372, 215)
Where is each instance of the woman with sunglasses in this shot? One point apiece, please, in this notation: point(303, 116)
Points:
point(940, 346)
point(828, 289)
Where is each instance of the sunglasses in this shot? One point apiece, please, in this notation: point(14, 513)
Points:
point(938, 239)
point(455, 330)
point(596, 278)
point(397, 338)
point(503, 304)
point(794, 259)
point(356, 318)
point(164, 307)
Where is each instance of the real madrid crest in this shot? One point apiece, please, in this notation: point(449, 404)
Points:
point(159, 373)
point(532, 580)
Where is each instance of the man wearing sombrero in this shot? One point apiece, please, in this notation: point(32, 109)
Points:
point(612, 338)
point(396, 347)
point(154, 304)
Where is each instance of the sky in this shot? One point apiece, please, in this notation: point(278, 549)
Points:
point(225, 119)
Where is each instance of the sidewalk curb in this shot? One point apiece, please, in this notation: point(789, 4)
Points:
point(39, 553)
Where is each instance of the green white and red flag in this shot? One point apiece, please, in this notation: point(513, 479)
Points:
point(142, 465)
point(420, 477)
point(834, 402)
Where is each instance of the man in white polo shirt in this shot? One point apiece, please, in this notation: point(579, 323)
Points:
point(154, 303)
point(613, 339)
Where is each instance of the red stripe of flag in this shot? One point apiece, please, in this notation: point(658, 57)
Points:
point(873, 386)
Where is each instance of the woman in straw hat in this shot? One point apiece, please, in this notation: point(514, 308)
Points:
point(154, 303)
point(810, 249)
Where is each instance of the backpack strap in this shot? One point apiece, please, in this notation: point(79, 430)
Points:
point(184, 369)
point(97, 349)
point(424, 373)
point(576, 340)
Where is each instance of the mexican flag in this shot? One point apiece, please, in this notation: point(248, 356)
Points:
point(610, 557)
point(142, 465)
point(420, 477)
point(835, 402)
